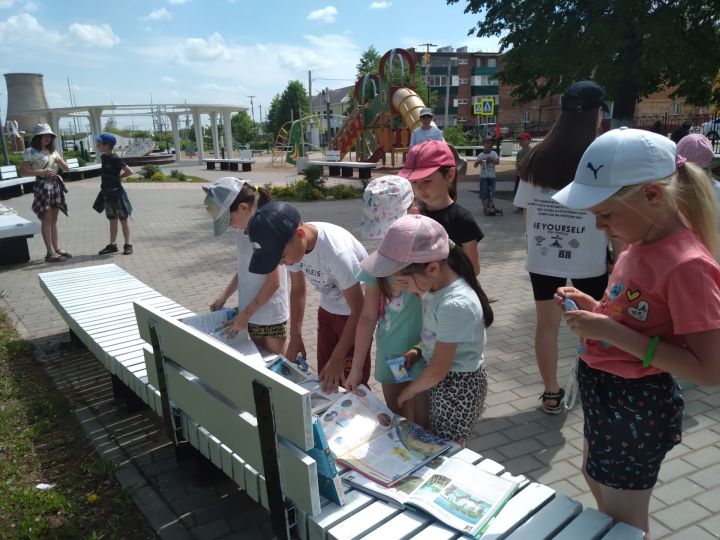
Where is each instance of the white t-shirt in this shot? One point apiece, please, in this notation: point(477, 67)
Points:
point(332, 266)
point(276, 310)
point(561, 242)
point(421, 135)
point(487, 169)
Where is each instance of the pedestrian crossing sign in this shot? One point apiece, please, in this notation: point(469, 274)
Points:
point(485, 107)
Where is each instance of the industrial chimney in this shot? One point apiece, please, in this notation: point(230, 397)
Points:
point(25, 92)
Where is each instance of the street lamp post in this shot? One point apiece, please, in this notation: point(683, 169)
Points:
point(426, 59)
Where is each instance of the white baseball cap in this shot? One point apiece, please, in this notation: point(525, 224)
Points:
point(219, 198)
point(621, 157)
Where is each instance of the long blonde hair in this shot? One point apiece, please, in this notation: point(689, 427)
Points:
point(690, 194)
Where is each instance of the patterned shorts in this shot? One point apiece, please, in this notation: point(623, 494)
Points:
point(115, 208)
point(456, 403)
point(265, 331)
point(630, 424)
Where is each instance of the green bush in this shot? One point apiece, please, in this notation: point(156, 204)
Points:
point(342, 191)
point(303, 191)
point(179, 176)
point(69, 154)
point(313, 175)
point(158, 177)
point(148, 171)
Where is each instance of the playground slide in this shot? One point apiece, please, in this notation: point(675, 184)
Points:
point(408, 104)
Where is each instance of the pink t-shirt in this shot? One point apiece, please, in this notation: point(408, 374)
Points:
point(668, 289)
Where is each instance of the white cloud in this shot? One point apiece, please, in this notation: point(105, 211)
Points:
point(101, 35)
point(380, 5)
point(6, 4)
point(160, 14)
point(326, 15)
point(17, 29)
point(177, 2)
point(204, 50)
point(168, 80)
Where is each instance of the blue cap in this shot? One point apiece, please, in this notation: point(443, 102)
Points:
point(107, 138)
point(270, 230)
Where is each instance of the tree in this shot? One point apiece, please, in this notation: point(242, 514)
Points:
point(294, 98)
point(242, 127)
point(632, 48)
point(369, 62)
point(455, 135)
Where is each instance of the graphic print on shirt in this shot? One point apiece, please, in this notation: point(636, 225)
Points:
point(556, 239)
point(613, 304)
point(319, 279)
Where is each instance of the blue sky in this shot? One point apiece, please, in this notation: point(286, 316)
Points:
point(211, 51)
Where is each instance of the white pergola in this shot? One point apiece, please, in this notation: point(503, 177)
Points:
point(94, 114)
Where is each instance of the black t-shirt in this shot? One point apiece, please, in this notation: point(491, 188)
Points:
point(112, 166)
point(458, 222)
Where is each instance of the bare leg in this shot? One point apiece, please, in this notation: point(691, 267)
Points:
point(47, 233)
point(422, 409)
point(113, 230)
point(629, 506)
point(273, 345)
point(391, 393)
point(594, 485)
point(125, 230)
point(546, 348)
point(53, 214)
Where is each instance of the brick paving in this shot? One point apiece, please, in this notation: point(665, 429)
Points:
point(176, 254)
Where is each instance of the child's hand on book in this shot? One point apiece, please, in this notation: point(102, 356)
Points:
point(217, 304)
point(332, 376)
point(354, 379)
point(239, 323)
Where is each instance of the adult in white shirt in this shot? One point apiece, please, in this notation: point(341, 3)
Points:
point(427, 130)
point(562, 243)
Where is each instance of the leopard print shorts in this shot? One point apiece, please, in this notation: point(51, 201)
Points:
point(456, 403)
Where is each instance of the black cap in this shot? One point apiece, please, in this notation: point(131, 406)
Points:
point(270, 230)
point(584, 96)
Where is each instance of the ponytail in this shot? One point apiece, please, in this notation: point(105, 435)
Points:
point(692, 196)
point(462, 266)
point(256, 196)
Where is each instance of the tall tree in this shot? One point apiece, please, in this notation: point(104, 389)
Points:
point(242, 127)
point(369, 62)
point(632, 47)
point(294, 98)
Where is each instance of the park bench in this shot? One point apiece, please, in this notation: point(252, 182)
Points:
point(229, 164)
point(345, 169)
point(77, 172)
point(13, 185)
point(14, 233)
point(256, 426)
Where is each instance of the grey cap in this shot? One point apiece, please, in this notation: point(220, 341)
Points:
point(426, 112)
point(219, 197)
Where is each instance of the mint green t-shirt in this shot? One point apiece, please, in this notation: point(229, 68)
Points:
point(398, 329)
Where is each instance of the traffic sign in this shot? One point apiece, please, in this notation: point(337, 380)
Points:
point(484, 107)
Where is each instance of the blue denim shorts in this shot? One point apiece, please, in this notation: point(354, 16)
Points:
point(487, 188)
point(629, 426)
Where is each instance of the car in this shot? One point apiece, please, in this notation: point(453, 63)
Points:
point(711, 129)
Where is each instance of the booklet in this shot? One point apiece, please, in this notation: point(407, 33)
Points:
point(319, 400)
point(368, 437)
point(453, 491)
point(328, 480)
point(213, 324)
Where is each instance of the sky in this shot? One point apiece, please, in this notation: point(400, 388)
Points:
point(211, 51)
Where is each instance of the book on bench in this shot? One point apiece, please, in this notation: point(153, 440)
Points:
point(449, 489)
point(368, 437)
point(319, 400)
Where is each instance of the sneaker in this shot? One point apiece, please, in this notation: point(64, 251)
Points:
point(127, 249)
point(107, 250)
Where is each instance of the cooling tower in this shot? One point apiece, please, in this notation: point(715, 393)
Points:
point(25, 92)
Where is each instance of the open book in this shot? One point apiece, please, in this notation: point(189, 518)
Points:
point(213, 324)
point(319, 400)
point(368, 437)
point(453, 491)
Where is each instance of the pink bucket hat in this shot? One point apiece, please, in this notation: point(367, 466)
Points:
point(425, 158)
point(385, 199)
point(697, 149)
point(410, 239)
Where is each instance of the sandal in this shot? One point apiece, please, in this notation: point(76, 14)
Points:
point(64, 253)
point(556, 397)
point(55, 257)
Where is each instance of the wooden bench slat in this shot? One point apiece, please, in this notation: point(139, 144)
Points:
point(401, 526)
point(590, 525)
point(549, 520)
point(332, 514)
point(366, 520)
point(436, 531)
point(623, 531)
point(518, 510)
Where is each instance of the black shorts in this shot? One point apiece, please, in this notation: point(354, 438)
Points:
point(115, 209)
point(544, 287)
point(629, 425)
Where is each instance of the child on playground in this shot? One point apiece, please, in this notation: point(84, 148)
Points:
point(42, 161)
point(113, 197)
point(329, 257)
point(486, 160)
point(262, 298)
point(659, 318)
point(418, 254)
point(431, 168)
point(396, 313)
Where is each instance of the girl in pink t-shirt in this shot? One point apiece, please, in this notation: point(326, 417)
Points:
point(658, 319)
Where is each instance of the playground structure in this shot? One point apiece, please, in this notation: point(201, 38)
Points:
point(294, 138)
point(386, 111)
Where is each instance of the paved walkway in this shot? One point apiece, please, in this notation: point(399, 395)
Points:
point(176, 254)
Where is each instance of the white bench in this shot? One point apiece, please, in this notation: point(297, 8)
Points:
point(14, 233)
point(345, 168)
point(229, 164)
point(332, 155)
point(256, 426)
point(13, 185)
point(77, 172)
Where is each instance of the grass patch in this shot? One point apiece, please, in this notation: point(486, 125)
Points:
point(308, 190)
point(41, 441)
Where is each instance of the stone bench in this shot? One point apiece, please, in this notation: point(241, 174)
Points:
point(345, 169)
point(14, 233)
point(229, 164)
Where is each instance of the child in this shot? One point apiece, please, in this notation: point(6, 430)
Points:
point(113, 197)
point(432, 170)
point(659, 317)
point(488, 158)
point(397, 314)
point(44, 163)
point(262, 299)
point(524, 142)
point(328, 256)
point(417, 252)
